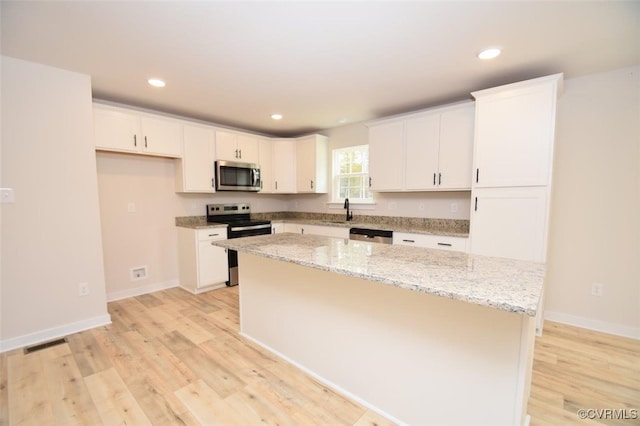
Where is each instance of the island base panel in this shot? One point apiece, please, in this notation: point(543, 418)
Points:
point(414, 357)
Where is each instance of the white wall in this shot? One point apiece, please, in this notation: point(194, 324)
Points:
point(595, 215)
point(148, 237)
point(51, 233)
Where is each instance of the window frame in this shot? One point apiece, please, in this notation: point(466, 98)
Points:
point(336, 176)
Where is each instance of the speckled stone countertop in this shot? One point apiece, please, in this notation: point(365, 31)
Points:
point(448, 227)
point(197, 222)
point(509, 285)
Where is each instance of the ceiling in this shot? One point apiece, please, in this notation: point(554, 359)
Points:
point(320, 64)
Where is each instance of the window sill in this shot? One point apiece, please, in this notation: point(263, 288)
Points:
point(353, 205)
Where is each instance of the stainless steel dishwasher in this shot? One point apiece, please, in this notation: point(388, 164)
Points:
point(371, 235)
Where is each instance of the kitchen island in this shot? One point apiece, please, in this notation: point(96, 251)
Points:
point(421, 336)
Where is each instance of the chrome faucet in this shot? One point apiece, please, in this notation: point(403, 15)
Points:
point(346, 206)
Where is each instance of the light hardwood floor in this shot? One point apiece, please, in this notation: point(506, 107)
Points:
point(171, 358)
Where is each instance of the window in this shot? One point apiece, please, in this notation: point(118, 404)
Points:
point(351, 174)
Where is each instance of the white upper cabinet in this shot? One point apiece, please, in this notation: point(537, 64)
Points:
point(195, 171)
point(422, 140)
point(241, 147)
point(386, 156)
point(311, 164)
point(430, 150)
point(514, 134)
point(284, 166)
point(455, 155)
point(266, 166)
point(161, 136)
point(123, 130)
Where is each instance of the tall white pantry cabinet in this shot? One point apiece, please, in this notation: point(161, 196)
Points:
point(512, 164)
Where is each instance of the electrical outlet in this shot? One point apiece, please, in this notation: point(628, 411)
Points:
point(421, 207)
point(454, 207)
point(6, 195)
point(83, 289)
point(597, 289)
point(392, 205)
point(131, 207)
point(138, 273)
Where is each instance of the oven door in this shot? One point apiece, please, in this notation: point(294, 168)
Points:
point(238, 231)
point(234, 176)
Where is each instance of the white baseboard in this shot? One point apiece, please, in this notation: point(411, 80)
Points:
point(326, 382)
point(53, 333)
point(138, 291)
point(595, 325)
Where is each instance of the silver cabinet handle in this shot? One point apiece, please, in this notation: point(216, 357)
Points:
point(434, 179)
point(145, 141)
point(213, 235)
point(409, 241)
point(369, 181)
point(240, 151)
point(444, 244)
point(236, 153)
point(213, 183)
point(439, 178)
point(135, 140)
point(311, 183)
point(276, 185)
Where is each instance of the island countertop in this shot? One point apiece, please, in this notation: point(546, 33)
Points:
point(505, 284)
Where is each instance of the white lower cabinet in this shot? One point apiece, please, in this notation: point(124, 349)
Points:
point(328, 231)
point(277, 227)
point(509, 222)
point(202, 266)
point(431, 241)
point(294, 228)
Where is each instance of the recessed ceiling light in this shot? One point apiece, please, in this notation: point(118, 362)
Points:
point(489, 53)
point(156, 82)
point(276, 116)
point(341, 120)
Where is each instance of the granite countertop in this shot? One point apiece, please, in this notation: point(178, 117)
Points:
point(445, 227)
point(505, 284)
point(197, 222)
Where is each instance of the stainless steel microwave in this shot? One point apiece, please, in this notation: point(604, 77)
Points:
point(234, 176)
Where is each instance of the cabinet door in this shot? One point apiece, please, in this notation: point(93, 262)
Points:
point(197, 160)
point(421, 146)
point(328, 231)
point(116, 130)
point(441, 242)
point(161, 137)
point(284, 166)
point(306, 165)
point(226, 146)
point(266, 166)
point(213, 264)
point(295, 228)
point(455, 159)
point(514, 137)
point(248, 149)
point(509, 222)
point(386, 152)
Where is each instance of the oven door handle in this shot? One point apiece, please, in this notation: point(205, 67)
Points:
point(250, 228)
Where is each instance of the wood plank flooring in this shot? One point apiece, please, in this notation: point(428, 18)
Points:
point(172, 358)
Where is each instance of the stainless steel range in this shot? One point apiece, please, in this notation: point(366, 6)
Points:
point(240, 224)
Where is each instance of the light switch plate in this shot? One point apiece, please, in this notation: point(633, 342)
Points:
point(6, 195)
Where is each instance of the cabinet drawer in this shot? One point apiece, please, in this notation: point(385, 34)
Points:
point(431, 241)
point(212, 234)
